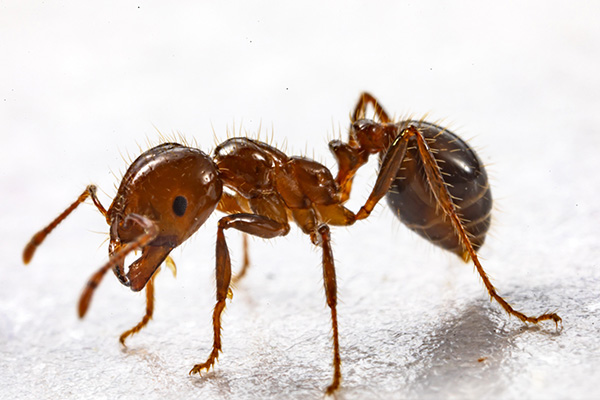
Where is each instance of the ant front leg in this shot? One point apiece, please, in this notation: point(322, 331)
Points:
point(149, 302)
point(252, 224)
point(235, 204)
point(149, 311)
point(39, 237)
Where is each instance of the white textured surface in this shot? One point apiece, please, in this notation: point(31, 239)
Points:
point(82, 84)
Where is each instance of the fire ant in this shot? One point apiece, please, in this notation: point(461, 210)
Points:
point(432, 179)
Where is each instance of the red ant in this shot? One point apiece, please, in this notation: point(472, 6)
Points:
point(432, 178)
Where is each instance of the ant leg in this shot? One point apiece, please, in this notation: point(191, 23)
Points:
point(320, 236)
point(389, 167)
point(171, 265)
point(444, 200)
point(39, 237)
point(150, 233)
point(230, 204)
point(351, 156)
point(361, 108)
point(246, 262)
point(149, 311)
point(331, 294)
point(349, 160)
point(253, 224)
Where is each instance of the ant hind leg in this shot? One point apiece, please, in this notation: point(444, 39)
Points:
point(444, 200)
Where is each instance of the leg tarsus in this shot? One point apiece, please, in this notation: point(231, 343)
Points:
point(525, 318)
point(214, 354)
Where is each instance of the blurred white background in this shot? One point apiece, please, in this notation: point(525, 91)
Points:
point(84, 86)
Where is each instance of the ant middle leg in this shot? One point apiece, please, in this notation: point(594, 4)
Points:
point(252, 224)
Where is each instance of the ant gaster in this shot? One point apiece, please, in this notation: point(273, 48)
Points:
point(433, 181)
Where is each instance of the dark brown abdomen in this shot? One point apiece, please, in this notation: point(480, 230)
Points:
point(413, 203)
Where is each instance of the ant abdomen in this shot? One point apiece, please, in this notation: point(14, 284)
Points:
point(413, 202)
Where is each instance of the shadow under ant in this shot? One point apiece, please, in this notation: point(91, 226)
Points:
point(470, 354)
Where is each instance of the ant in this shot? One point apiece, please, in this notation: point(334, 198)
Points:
point(432, 178)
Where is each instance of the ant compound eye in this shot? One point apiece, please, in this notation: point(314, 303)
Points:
point(179, 205)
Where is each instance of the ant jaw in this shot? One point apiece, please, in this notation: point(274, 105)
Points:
point(141, 270)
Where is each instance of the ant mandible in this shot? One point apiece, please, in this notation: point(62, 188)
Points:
point(169, 191)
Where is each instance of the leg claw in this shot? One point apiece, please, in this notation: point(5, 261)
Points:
point(198, 368)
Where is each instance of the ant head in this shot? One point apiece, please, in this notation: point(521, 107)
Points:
point(175, 188)
point(372, 137)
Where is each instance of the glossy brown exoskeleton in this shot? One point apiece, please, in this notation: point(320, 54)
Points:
point(170, 191)
point(165, 196)
point(410, 195)
point(464, 177)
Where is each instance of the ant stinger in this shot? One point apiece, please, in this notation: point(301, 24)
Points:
point(432, 179)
